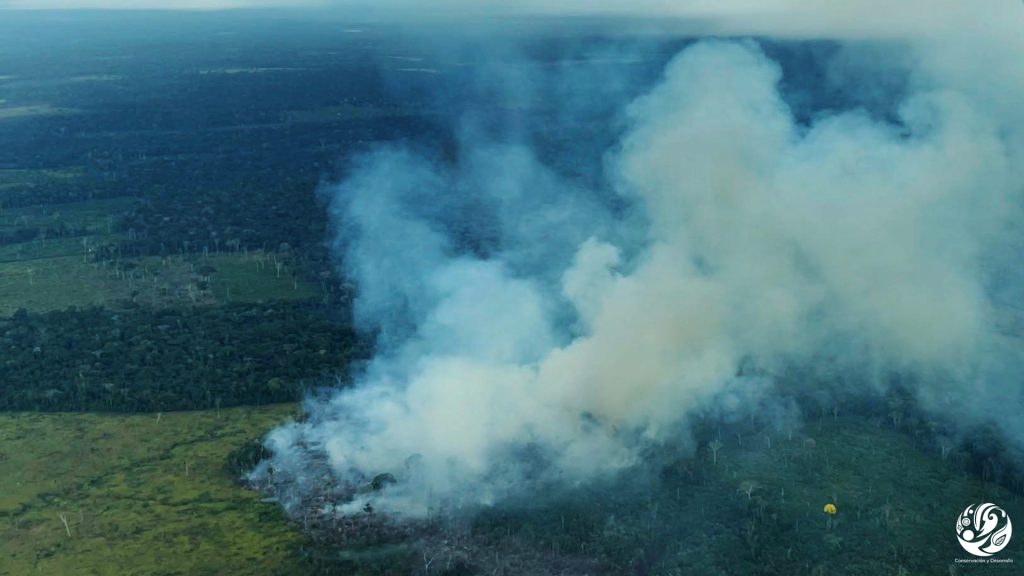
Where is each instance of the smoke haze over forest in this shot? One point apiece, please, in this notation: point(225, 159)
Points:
point(454, 287)
point(536, 327)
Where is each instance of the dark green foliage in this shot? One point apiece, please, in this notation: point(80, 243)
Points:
point(758, 510)
point(978, 449)
point(173, 359)
point(246, 457)
point(382, 481)
point(323, 560)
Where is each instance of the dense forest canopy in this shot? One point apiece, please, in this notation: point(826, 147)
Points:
point(147, 360)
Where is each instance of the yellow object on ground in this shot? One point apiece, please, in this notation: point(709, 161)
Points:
point(830, 509)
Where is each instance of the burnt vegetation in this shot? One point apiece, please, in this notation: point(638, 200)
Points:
point(748, 500)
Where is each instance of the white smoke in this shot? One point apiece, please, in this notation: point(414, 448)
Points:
point(557, 354)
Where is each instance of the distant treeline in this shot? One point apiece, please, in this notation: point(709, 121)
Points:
point(175, 359)
point(28, 234)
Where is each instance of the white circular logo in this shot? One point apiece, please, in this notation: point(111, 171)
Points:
point(983, 529)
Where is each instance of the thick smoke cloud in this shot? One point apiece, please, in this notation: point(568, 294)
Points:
point(531, 334)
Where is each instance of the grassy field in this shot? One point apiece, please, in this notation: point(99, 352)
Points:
point(151, 495)
point(54, 273)
point(56, 282)
point(11, 178)
point(96, 216)
point(141, 495)
point(254, 278)
point(897, 504)
point(42, 249)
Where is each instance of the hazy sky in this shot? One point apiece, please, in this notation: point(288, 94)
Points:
point(849, 18)
point(148, 4)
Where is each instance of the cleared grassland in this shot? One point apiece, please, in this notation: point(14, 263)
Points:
point(95, 216)
point(151, 495)
point(57, 282)
point(11, 178)
point(141, 495)
point(53, 273)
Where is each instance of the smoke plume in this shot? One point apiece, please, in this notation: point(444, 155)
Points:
point(534, 330)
